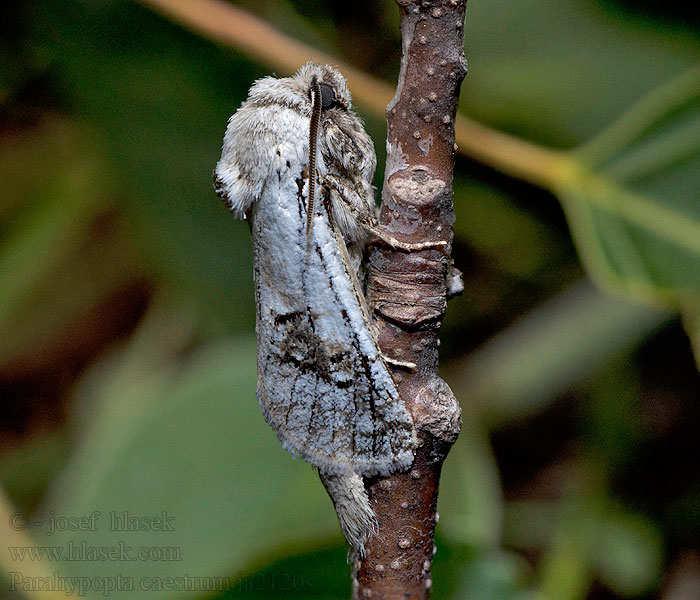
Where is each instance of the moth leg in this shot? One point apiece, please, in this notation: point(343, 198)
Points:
point(352, 210)
point(336, 202)
point(353, 250)
point(411, 366)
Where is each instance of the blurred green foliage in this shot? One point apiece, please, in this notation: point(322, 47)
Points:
point(126, 303)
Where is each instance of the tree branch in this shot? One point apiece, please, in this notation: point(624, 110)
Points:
point(407, 292)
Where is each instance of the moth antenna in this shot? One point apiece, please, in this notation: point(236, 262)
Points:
point(316, 102)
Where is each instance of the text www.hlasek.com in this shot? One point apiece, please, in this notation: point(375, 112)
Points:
point(84, 552)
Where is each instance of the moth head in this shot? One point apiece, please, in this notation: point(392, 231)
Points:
point(295, 92)
point(334, 87)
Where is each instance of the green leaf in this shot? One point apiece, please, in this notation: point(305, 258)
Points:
point(496, 574)
point(562, 88)
point(565, 568)
point(627, 554)
point(633, 207)
point(595, 539)
point(199, 454)
point(471, 502)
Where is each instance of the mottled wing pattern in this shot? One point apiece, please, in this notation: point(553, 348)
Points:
point(322, 382)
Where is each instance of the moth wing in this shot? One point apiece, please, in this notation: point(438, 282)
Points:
point(322, 382)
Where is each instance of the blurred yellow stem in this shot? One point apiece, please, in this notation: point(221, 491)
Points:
point(20, 572)
point(227, 24)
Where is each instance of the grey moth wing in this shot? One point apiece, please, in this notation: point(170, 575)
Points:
point(323, 384)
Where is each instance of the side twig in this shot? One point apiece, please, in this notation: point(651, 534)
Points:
point(407, 292)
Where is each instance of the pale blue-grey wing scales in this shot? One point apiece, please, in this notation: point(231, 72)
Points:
point(322, 382)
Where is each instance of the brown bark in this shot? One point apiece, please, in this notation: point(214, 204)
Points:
point(408, 291)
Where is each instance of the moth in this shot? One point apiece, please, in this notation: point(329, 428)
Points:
point(297, 163)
